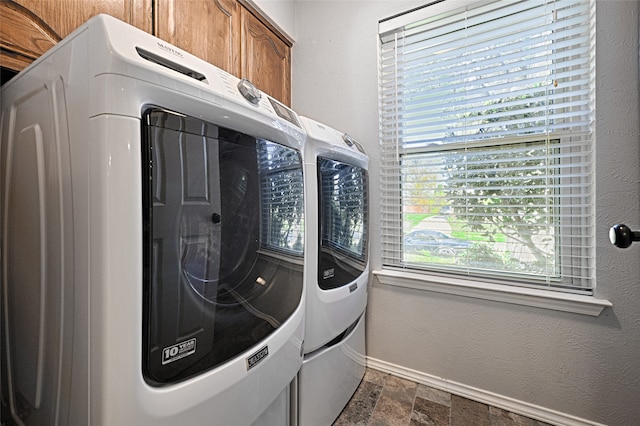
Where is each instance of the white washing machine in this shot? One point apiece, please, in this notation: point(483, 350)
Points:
point(337, 273)
point(152, 228)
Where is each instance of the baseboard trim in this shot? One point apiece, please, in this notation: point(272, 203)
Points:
point(489, 398)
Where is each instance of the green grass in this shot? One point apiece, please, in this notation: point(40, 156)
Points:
point(458, 229)
point(412, 219)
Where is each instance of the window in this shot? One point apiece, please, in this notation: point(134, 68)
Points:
point(486, 141)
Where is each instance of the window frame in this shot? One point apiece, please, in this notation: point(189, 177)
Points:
point(435, 279)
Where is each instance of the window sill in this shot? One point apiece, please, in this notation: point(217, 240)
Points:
point(580, 304)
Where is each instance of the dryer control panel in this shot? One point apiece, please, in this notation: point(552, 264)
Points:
point(322, 132)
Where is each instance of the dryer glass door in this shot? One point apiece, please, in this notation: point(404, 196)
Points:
point(343, 208)
point(222, 243)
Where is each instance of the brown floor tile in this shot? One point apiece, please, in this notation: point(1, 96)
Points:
point(434, 395)
point(400, 389)
point(500, 417)
point(391, 412)
point(395, 403)
point(429, 413)
point(386, 400)
point(375, 376)
point(362, 404)
point(465, 412)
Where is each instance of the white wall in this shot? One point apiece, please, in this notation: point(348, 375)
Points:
point(588, 367)
point(281, 13)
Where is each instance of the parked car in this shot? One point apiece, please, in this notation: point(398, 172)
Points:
point(435, 242)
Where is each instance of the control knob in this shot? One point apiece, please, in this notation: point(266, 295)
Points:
point(249, 91)
point(347, 139)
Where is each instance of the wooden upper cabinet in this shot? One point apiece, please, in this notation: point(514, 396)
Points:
point(266, 59)
point(64, 16)
point(208, 29)
point(23, 36)
point(28, 28)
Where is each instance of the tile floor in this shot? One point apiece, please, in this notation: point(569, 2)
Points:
point(386, 400)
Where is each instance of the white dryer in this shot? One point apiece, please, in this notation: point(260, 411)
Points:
point(152, 225)
point(337, 272)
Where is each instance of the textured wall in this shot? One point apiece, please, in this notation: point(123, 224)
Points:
point(575, 364)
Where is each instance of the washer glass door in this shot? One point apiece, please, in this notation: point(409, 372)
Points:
point(343, 208)
point(223, 251)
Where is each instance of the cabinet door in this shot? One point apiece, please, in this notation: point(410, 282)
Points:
point(205, 28)
point(64, 16)
point(265, 59)
point(28, 28)
point(23, 37)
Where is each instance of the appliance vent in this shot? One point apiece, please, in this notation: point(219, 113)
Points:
point(152, 57)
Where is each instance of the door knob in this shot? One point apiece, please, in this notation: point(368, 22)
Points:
point(621, 236)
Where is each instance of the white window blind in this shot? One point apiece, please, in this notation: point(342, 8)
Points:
point(486, 141)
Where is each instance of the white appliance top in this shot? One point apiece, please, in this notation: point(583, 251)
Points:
point(115, 48)
point(324, 140)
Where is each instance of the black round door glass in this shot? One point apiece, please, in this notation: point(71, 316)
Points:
point(343, 208)
point(223, 243)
